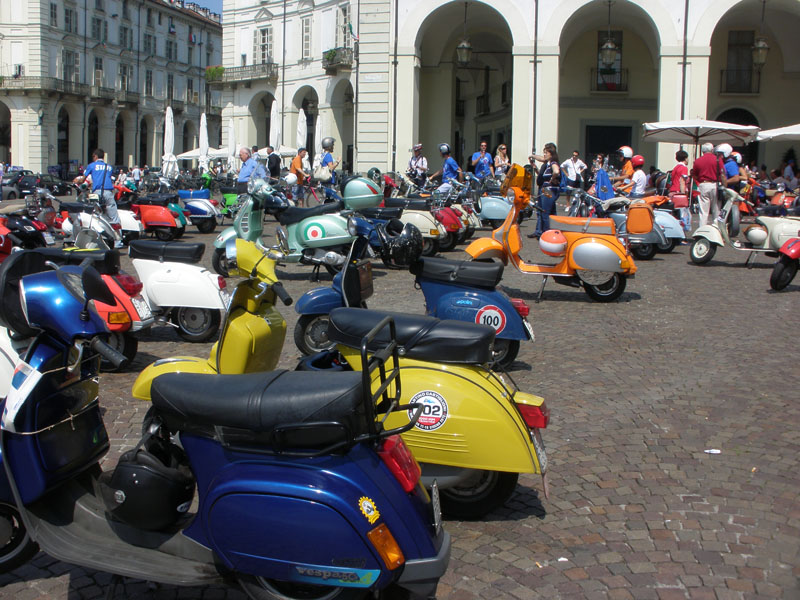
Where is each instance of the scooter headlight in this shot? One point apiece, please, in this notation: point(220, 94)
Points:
point(352, 227)
point(511, 195)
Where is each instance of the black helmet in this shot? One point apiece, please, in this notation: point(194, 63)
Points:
point(402, 243)
point(375, 174)
point(151, 486)
point(327, 143)
point(444, 148)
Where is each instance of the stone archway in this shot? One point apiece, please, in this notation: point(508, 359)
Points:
point(92, 134)
point(307, 99)
point(62, 137)
point(339, 121)
point(119, 140)
point(5, 133)
point(260, 108)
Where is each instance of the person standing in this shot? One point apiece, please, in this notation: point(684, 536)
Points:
point(100, 177)
point(679, 188)
point(708, 171)
point(450, 170)
point(327, 159)
point(301, 174)
point(573, 169)
point(273, 163)
point(418, 165)
point(137, 176)
point(250, 169)
point(482, 163)
point(501, 162)
point(549, 177)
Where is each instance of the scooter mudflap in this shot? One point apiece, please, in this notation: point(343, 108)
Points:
point(436, 504)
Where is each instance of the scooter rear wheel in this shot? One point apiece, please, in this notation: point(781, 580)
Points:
point(782, 273)
point(505, 353)
point(608, 291)
point(207, 225)
point(124, 342)
point(644, 251)
point(448, 242)
point(16, 546)
point(196, 324)
point(483, 493)
point(260, 588)
point(219, 260)
point(668, 247)
point(311, 334)
point(430, 246)
point(165, 234)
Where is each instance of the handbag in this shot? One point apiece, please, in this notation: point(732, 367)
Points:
point(680, 200)
point(321, 173)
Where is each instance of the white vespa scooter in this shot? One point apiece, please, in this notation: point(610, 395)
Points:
point(766, 236)
point(177, 289)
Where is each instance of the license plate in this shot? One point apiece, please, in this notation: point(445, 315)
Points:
point(722, 215)
point(528, 328)
point(23, 381)
point(437, 507)
point(538, 445)
point(49, 239)
point(141, 306)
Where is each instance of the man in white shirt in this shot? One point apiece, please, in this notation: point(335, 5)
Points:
point(574, 167)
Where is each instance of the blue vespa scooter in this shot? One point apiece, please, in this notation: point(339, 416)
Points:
point(302, 492)
point(458, 290)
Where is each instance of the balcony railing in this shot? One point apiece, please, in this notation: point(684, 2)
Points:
point(104, 93)
point(268, 71)
point(740, 81)
point(608, 80)
point(126, 96)
point(51, 84)
point(212, 109)
point(177, 105)
point(337, 58)
point(151, 103)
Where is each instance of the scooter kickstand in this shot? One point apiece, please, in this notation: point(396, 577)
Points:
point(541, 290)
point(751, 260)
point(314, 274)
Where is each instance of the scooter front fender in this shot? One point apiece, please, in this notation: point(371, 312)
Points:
point(174, 364)
point(222, 239)
point(791, 248)
point(711, 233)
point(487, 248)
point(493, 208)
point(319, 301)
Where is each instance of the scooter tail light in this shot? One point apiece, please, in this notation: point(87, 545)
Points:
point(187, 213)
point(129, 284)
point(221, 282)
point(174, 214)
point(39, 225)
point(535, 417)
point(521, 307)
point(402, 464)
point(116, 227)
point(387, 546)
point(214, 202)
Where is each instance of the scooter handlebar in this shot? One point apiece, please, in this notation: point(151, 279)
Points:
point(281, 293)
point(107, 352)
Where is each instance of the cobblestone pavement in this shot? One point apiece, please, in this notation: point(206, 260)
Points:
point(689, 359)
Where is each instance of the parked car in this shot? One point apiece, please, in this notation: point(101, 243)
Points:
point(11, 182)
point(56, 186)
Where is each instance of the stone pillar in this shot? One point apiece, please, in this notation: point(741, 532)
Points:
point(75, 133)
point(546, 110)
point(521, 104)
point(129, 143)
point(28, 147)
point(106, 133)
point(408, 109)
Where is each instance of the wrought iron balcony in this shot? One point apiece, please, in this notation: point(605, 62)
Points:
point(608, 80)
point(104, 93)
point(177, 105)
point(337, 58)
point(214, 110)
point(50, 84)
point(740, 81)
point(148, 101)
point(232, 75)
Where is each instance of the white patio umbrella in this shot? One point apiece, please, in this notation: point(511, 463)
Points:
point(203, 162)
point(789, 133)
point(275, 125)
point(231, 144)
point(302, 129)
point(698, 131)
point(318, 136)
point(195, 154)
point(169, 164)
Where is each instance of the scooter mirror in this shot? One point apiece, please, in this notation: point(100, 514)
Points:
point(95, 288)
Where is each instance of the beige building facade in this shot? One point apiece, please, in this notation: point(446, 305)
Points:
point(77, 75)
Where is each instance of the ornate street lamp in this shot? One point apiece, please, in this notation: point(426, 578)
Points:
point(761, 47)
point(609, 50)
point(464, 49)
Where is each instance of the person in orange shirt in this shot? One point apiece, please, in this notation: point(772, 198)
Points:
point(623, 181)
point(297, 169)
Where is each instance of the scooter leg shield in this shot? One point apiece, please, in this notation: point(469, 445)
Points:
point(487, 248)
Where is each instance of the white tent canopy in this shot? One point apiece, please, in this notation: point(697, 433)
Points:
point(790, 133)
point(195, 154)
point(274, 126)
point(698, 131)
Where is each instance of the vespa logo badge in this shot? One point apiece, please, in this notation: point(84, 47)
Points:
point(368, 509)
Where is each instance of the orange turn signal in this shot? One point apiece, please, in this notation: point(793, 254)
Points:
point(387, 547)
point(119, 317)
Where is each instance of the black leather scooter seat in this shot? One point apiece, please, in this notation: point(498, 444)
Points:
point(382, 212)
point(776, 210)
point(462, 272)
point(77, 207)
point(297, 214)
point(261, 402)
point(419, 337)
point(408, 203)
point(157, 199)
point(166, 251)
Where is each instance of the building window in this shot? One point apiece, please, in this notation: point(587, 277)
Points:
point(306, 27)
point(125, 13)
point(126, 37)
point(149, 44)
point(149, 17)
point(53, 14)
point(148, 83)
point(190, 90)
point(170, 86)
point(343, 39)
point(99, 5)
point(171, 27)
point(70, 65)
point(190, 53)
point(739, 73)
point(159, 18)
point(171, 50)
point(70, 20)
point(208, 59)
point(98, 71)
point(262, 46)
point(99, 29)
point(125, 76)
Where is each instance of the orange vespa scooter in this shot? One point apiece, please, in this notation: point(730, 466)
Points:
point(591, 254)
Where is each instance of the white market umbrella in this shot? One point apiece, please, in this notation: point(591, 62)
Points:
point(318, 136)
point(699, 131)
point(286, 151)
point(790, 133)
point(203, 162)
point(169, 163)
point(231, 144)
point(195, 154)
point(302, 129)
point(274, 126)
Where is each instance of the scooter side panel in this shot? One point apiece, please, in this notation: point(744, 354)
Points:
point(253, 342)
point(672, 226)
point(422, 221)
point(594, 254)
point(487, 248)
point(171, 284)
point(494, 208)
point(321, 232)
point(319, 301)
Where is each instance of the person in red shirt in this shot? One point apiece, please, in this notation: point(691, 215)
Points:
point(708, 171)
point(679, 186)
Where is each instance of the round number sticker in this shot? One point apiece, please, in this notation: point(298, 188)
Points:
point(314, 232)
point(492, 316)
point(434, 410)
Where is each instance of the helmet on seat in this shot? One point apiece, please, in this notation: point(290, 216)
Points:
point(327, 143)
point(444, 148)
point(375, 174)
point(637, 160)
point(402, 244)
point(626, 151)
point(724, 149)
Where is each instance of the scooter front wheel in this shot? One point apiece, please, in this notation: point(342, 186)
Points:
point(261, 588)
point(196, 324)
point(16, 546)
point(219, 260)
point(504, 353)
point(644, 251)
point(608, 291)
point(430, 246)
point(782, 273)
point(702, 251)
point(124, 342)
point(311, 334)
point(479, 495)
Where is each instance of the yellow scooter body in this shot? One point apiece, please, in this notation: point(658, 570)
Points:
point(472, 422)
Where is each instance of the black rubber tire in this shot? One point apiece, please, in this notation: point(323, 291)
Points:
point(448, 242)
point(259, 588)
point(644, 251)
point(490, 491)
point(496, 223)
point(735, 222)
point(702, 250)
point(609, 291)
point(207, 225)
point(505, 353)
point(124, 342)
point(310, 334)
point(219, 260)
point(668, 247)
point(179, 232)
point(208, 322)
point(11, 196)
point(165, 234)
point(333, 269)
point(430, 246)
point(783, 272)
point(19, 548)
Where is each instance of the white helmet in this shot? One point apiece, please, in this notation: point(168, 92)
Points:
point(626, 151)
point(738, 157)
point(290, 178)
point(724, 149)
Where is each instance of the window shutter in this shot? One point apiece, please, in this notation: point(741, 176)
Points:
point(76, 75)
point(255, 46)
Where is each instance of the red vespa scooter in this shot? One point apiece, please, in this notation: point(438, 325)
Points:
point(786, 268)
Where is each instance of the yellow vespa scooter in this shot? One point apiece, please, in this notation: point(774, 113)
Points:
point(477, 432)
